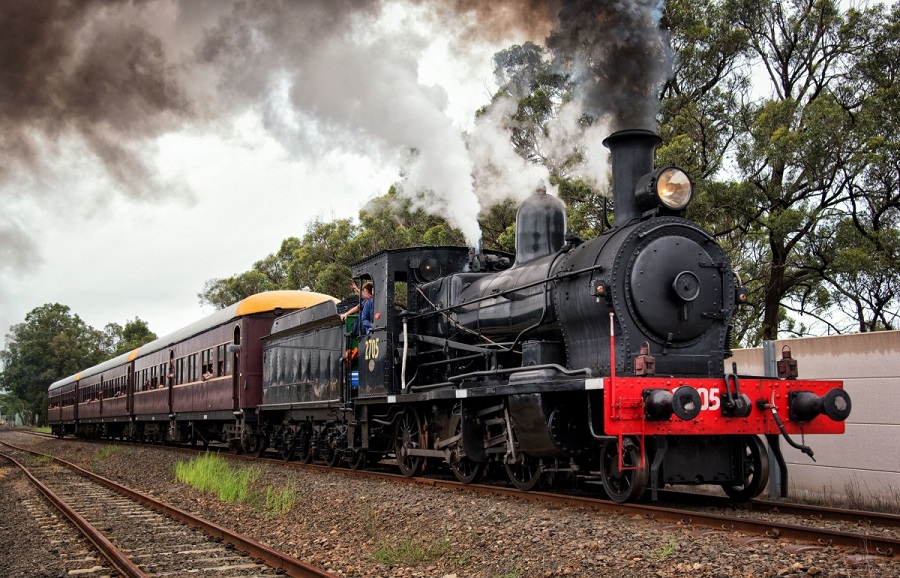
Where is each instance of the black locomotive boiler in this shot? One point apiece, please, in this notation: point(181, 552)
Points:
point(601, 358)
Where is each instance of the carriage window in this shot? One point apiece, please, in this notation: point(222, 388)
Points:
point(208, 362)
point(220, 360)
point(192, 367)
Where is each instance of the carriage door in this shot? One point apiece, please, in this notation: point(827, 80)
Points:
point(236, 369)
point(170, 377)
point(129, 389)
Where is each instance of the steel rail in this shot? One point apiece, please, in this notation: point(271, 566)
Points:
point(116, 558)
point(762, 506)
point(277, 560)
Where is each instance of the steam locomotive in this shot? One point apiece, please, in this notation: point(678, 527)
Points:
point(602, 359)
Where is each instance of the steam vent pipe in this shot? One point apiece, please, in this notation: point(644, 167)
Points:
point(631, 154)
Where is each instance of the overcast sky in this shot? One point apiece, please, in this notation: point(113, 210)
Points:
point(148, 146)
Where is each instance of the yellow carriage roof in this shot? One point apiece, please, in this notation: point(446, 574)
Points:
point(259, 303)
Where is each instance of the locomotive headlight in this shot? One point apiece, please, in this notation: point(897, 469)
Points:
point(674, 188)
point(668, 187)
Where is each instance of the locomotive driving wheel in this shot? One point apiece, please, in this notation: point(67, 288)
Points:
point(408, 435)
point(756, 471)
point(629, 482)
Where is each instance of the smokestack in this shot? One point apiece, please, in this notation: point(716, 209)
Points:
point(631, 156)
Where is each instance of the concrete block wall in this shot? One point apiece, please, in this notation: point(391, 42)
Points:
point(865, 461)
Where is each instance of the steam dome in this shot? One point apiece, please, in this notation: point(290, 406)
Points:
point(540, 226)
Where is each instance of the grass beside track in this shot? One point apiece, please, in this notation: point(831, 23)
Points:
point(213, 474)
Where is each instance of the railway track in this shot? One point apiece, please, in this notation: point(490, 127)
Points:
point(55, 546)
point(139, 536)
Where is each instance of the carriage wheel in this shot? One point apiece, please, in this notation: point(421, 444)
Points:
point(623, 485)
point(262, 443)
point(756, 471)
point(303, 446)
point(466, 470)
point(526, 474)
point(289, 447)
point(408, 435)
point(330, 455)
point(358, 461)
point(332, 458)
point(235, 444)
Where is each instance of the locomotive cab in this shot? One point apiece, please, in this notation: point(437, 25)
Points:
point(397, 276)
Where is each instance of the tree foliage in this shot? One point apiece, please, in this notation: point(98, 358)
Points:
point(50, 344)
point(118, 339)
point(267, 274)
point(770, 110)
point(321, 260)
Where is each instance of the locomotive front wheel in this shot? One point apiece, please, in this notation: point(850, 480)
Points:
point(756, 471)
point(408, 435)
point(629, 483)
point(525, 474)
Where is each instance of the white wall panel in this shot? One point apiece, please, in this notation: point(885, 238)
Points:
point(865, 461)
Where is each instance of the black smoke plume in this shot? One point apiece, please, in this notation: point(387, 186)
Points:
point(113, 76)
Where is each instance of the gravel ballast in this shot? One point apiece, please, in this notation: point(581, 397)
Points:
point(358, 527)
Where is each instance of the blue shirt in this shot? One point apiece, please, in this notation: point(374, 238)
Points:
point(367, 314)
